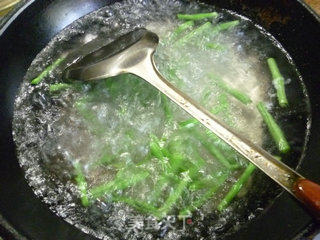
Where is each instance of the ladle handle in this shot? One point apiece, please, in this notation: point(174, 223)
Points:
point(308, 192)
point(290, 180)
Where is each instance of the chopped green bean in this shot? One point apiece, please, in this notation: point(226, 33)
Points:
point(198, 31)
point(38, 79)
point(212, 149)
point(124, 179)
point(157, 151)
point(278, 82)
point(197, 16)
point(236, 187)
point(141, 206)
point(177, 32)
point(182, 27)
point(172, 74)
point(215, 46)
point(200, 201)
point(242, 97)
point(155, 148)
point(82, 184)
point(164, 181)
point(200, 184)
point(58, 87)
point(174, 196)
point(189, 123)
point(274, 129)
point(223, 107)
point(225, 26)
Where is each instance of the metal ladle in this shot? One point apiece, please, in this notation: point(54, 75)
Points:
point(133, 53)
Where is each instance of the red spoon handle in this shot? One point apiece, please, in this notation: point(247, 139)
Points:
point(309, 193)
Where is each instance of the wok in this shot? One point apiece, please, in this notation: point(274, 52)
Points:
point(30, 28)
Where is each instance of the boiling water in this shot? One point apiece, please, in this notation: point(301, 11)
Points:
point(115, 117)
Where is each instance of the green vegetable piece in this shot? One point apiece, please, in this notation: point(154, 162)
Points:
point(196, 32)
point(200, 201)
point(183, 27)
point(214, 151)
point(189, 123)
point(223, 105)
point(242, 97)
point(225, 26)
point(274, 129)
point(174, 196)
point(177, 32)
point(155, 148)
point(172, 75)
point(158, 152)
point(164, 181)
point(38, 79)
point(236, 187)
point(82, 184)
point(197, 16)
point(218, 155)
point(141, 206)
point(215, 46)
point(124, 179)
point(278, 82)
point(58, 87)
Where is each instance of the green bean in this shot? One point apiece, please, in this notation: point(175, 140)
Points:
point(219, 155)
point(198, 31)
point(58, 87)
point(141, 206)
point(174, 196)
point(157, 151)
point(224, 26)
point(124, 179)
point(189, 123)
point(239, 184)
point(172, 75)
point(177, 157)
point(242, 97)
point(176, 33)
point(214, 46)
point(107, 159)
point(163, 182)
point(182, 27)
point(82, 184)
point(197, 16)
point(200, 201)
point(223, 106)
point(155, 148)
point(176, 160)
point(200, 184)
point(274, 129)
point(236, 187)
point(214, 151)
point(278, 82)
point(38, 79)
